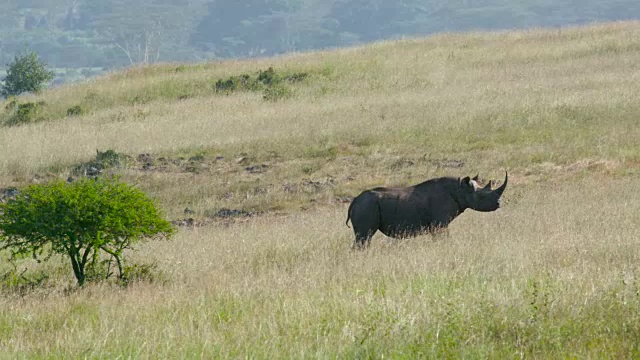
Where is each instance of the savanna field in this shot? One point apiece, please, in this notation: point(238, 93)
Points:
point(258, 182)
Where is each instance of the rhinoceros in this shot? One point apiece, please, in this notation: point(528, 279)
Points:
point(427, 207)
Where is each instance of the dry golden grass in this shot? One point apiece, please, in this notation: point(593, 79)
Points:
point(551, 275)
point(446, 93)
point(507, 100)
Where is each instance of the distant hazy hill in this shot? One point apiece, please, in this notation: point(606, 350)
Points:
point(113, 33)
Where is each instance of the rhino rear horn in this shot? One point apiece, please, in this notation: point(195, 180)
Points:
point(500, 190)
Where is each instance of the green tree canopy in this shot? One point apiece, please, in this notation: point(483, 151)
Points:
point(79, 220)
point(25, 74)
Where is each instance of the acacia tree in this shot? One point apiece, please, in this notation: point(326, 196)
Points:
point(79, 220)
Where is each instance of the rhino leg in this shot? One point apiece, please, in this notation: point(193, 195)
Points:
point(365, 218)
point(363, 239)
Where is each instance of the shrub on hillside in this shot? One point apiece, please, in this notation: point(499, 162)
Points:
point(20, 113)
point(75, 110)
point(20, 281)
point(268, 77)
point(25, 74)
point(269, 81)
point(104, 160)
point(81, 220)
point(243, 82)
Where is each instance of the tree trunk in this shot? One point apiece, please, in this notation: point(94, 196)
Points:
point(119, 266)
point(78, 269)
point(115, 256)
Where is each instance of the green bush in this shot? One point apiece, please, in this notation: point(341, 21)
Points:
point(110, 158)
point(75, 110)
point(243, 82)
point(23, 113)
point(131, 273)
point(80, 220)
point(142, 272)
point(269, 81)
point(268, 77)
point(104, 160)
point(25, 74)
point(296, 77)
point(19, 282)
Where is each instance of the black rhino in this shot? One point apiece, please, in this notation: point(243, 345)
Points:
point(423, 208)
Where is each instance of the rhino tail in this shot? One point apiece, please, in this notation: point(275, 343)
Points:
point(349, 213)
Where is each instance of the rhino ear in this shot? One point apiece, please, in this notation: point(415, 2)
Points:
point(475, 178)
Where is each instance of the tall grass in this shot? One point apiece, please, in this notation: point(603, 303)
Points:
point(528, 101)
point(553, 274)
point(568, 89)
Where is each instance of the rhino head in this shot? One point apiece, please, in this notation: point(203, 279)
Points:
point(480, 198)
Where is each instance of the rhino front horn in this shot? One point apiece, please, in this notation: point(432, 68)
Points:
point(500, 190)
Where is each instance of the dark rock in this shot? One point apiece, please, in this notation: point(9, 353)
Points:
point(144, 158)
point(185, 222)
point(228, 213)
point(8, 193)
point(290, 188)
point(93, 171)
point(257, 169)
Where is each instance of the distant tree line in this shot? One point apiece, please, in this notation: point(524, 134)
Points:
point(112, 33)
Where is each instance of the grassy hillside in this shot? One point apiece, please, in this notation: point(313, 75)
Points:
point(535, 102)
point(552, 274)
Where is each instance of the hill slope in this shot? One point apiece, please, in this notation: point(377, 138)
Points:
point(535, 102)
point(552, 274)
point(78, 37)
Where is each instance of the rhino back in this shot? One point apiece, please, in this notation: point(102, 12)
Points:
point(408, 210)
